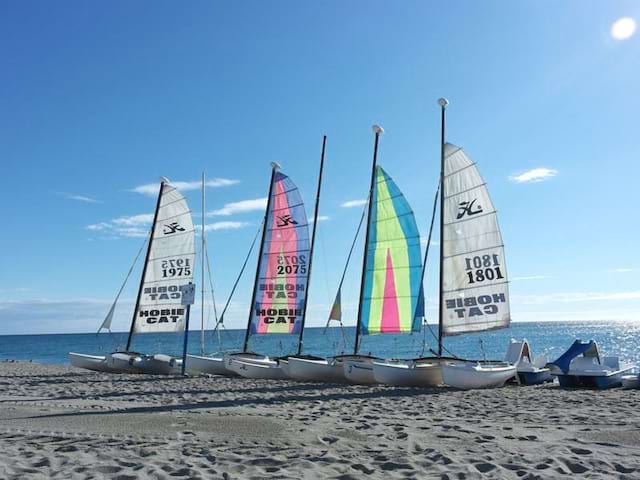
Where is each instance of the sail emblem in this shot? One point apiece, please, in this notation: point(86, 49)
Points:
point(172, 228)
point(466, 208)
point(285, 220)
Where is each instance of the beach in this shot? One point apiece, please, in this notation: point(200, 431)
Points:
point(60, 422)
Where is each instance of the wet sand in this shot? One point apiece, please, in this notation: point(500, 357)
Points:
point(62, 422)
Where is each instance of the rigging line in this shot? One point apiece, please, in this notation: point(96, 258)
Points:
point(126, 279)
point(233, 289)
point(353, 244)
point(213, 297)
point(426, 252)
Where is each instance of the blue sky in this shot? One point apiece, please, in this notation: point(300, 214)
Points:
point(99, 100)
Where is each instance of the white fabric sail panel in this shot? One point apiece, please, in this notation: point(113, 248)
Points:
point(170, 265)
point(475, 290)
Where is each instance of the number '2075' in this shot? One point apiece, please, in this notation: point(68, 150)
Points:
point(481, 268)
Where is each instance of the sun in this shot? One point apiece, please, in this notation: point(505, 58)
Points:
point(623, 28)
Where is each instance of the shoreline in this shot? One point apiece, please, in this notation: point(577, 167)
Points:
point(57, 421)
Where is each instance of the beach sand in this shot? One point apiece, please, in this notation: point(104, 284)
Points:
point(61, 422)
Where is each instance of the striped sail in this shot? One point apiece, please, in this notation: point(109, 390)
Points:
point(392, 296)
point(170, 266)
point(475, 291)
point(281, 284)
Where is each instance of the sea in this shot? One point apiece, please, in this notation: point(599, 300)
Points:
point(614, 338)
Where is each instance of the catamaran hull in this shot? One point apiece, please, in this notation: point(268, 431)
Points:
point(235, 362)
point(408, 374)
point(469, 376)
point(256, 370)
point(197, 365)
point(316, 370)
point(359, 370)
point(119, 362)
point(284, 366)
point(159, 365)
point(96, 363)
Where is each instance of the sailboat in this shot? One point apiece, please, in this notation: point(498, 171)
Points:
point(474, 293)
point(248, 363)
point(390, 293)
point(391, 298)
point(167, 271)
point(279, 298)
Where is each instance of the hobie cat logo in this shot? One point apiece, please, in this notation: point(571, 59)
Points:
point(466, 208)
point(285, 220)
point(172, 228)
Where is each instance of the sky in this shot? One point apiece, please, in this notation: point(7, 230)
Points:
point(98, 100)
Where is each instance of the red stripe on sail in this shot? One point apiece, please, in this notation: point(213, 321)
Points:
point(390, 317)
point(282, 240)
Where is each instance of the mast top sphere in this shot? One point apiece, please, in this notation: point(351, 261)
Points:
point(164, 180)
point(377, 129)
point(443, 102)
point(275, 165)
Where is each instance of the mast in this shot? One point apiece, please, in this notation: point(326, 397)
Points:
point(146, 261)
point(313, 240)
point(443, 102)
point(274, 169)
point(202, 247)
point(377, 130)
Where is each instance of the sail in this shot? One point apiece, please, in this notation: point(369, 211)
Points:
point(336, 309)
point(283, 272)
point(170, 265)
point(475, 290)
point(392, 292)
point(106, 323)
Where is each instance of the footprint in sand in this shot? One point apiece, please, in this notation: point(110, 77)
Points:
point(581, 451)
point(108, 469)
point(484, 467)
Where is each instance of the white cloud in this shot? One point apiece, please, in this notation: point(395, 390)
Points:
point(321, 218)
point(534, 175)
point(134, 220)
point(134, 226)
point(529, 277)
point(79, 198)
point(151, 189)
point(225, 225)
point(353, 203)
point(242, 206)
point(620, 270)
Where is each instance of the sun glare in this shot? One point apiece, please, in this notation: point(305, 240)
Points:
point(623, 28)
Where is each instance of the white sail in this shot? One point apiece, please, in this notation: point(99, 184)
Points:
point(170, 265)
point(475, 291)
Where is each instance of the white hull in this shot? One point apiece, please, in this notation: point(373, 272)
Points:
point(284, 365)
point(466, 376)
point(259, 370)
point(110, 363)
point(316, 370)
point(234, 362)
point(359, 370)
point(197, 365)
point(159, 364)
point(408, 373)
